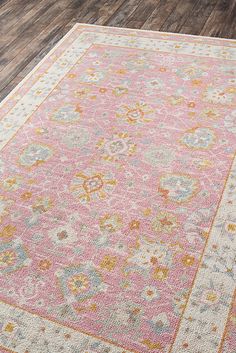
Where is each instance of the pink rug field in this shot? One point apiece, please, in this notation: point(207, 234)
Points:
point(118, 197)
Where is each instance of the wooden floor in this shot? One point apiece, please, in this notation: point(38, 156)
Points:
point(30, 28)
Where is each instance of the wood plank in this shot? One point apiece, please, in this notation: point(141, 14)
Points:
point(179, 16)
point(119, 18)
point(139, 16)
point(161, 12)
point(199, 15)
point(216, 22)
point(38, 44)
point(229, 29)
point(97, 12)
point(28, 31)
point(12, 12)
point(18, 19)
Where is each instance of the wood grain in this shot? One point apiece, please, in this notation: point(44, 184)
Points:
point(30, 28)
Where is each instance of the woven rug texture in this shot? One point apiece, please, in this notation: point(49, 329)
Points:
point(118, 197)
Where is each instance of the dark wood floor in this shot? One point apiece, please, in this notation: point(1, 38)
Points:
point(30, 28)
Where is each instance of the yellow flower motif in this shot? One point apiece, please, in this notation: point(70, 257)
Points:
point(147, 212)
point(7, 258)
point(9, 327)
point(135, 114)
point(42, 204)
point(203, 163)
point(210, 113)
point(160, 273)
point(196, 82)
point(44, 264)
point(210, 296)
point(102, 90)
point(151, 345)
point(121, 72)
point(4, 205)
point(7, 232)
point(71, 75)
point(110, 223)
point(40, 131)
point(108, 262)
point(134, 224)
point(26, 195)
point(191, 105)
point(78, 283)
point(95, 185)
point(204, 234)
point(188, 260)
point(231, 90)
point(82, 93)
point(175, 100)
point(93, 307)
point(12, 183)
point(231, 228)
point(120, 91)
point(164, 222)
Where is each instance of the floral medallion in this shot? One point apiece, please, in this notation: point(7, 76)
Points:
point(178, 188)
point(34, 155)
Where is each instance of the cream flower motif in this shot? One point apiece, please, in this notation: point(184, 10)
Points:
point(150, 293)
point(12, 257)
point(7, 258)
point(178, 188)
point(92, 75)
point(4, 205)
point(219, 95)
point(194, 226)
point(175, 100)
point(42, 204)
point(149, 254)
point(164, 222)
point(2, 166)
point(76, 138)
point(155, 84)
point(82, 92)
point(110, 223)
point(160, 323)
point(159, 155)
point(92, 185)
point(34, 155)
point(179, 301)
point(210, 296)
point(190, 72)
point(67, 114)
point(63, 235)
point(199, 138)
point(118, 146)
point(120, 91)
point(210, 113)
point(12, 183)
point(230, 122)
point(122, 316)
point(81, 282)
point(135, 114)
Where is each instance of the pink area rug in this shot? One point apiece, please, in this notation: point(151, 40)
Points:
point(117, 197)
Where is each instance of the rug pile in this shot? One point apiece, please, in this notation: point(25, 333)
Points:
point(117, 197)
